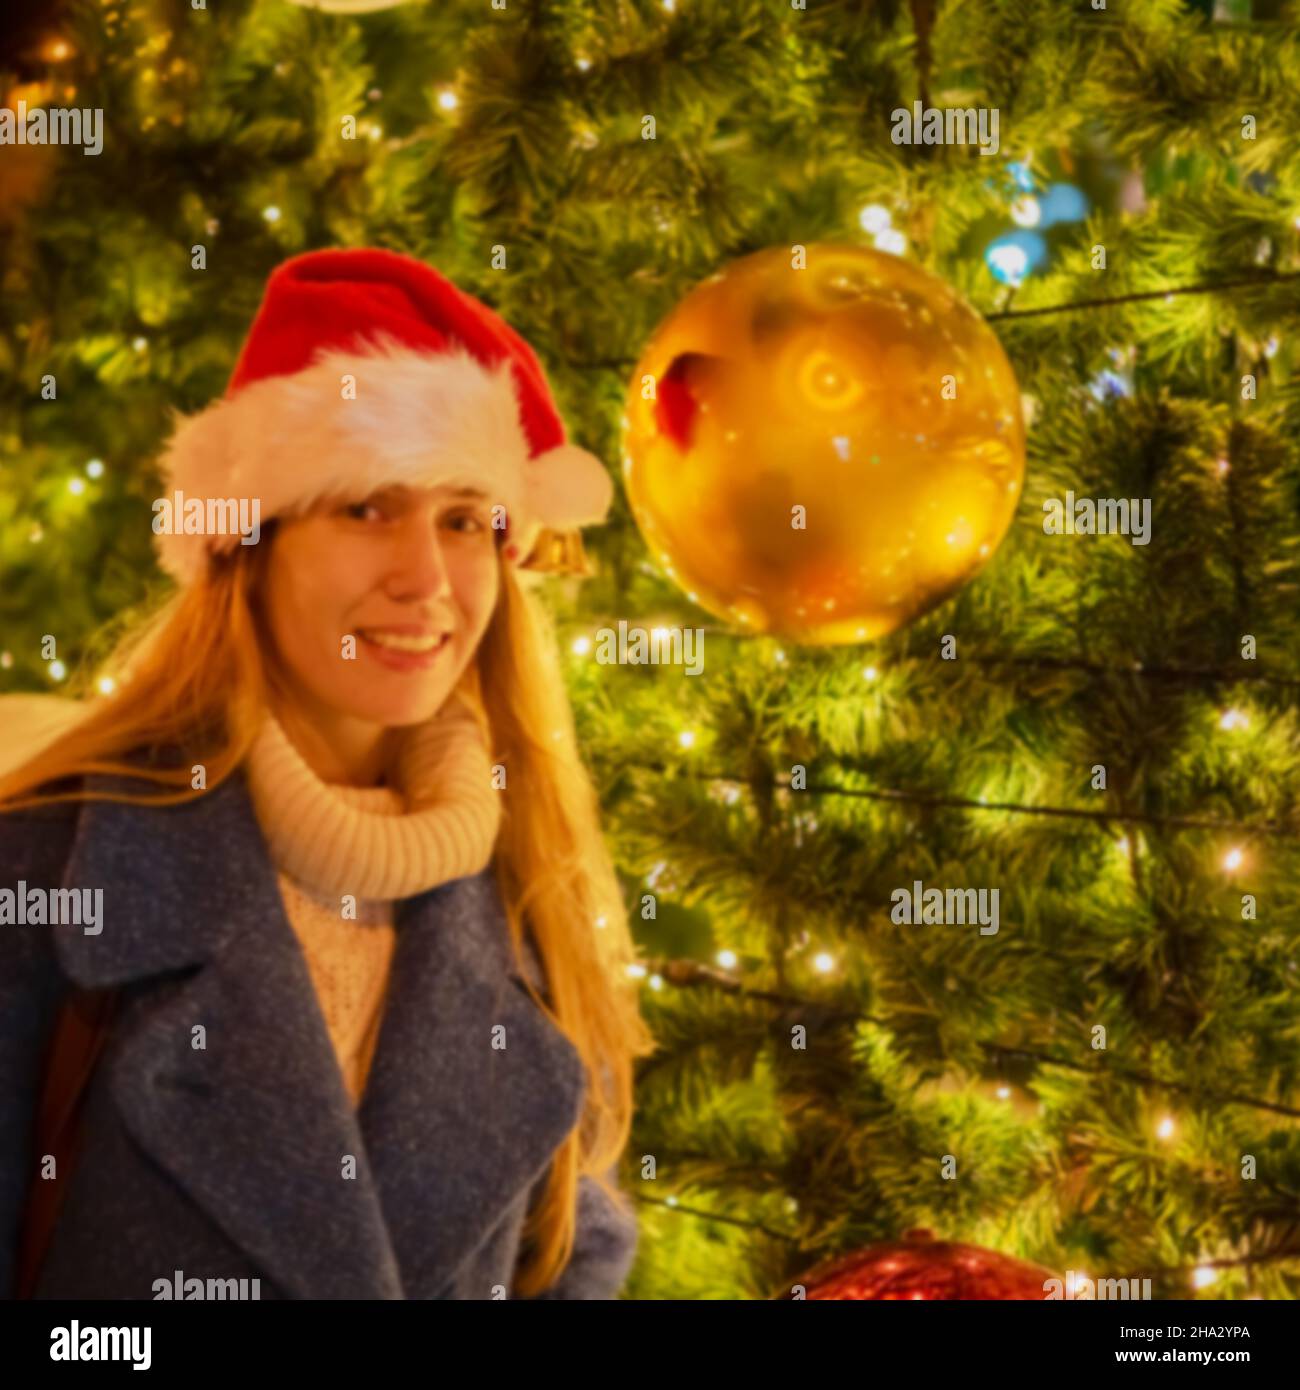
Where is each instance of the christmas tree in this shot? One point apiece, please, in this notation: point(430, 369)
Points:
point(1101, 724)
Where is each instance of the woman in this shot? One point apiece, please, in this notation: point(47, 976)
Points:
point(372, 1032)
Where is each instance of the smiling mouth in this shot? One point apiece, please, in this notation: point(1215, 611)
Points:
point(405, 642)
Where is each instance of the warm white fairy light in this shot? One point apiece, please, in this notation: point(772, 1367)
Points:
point(76, 486)
point(57, 670)
point(636, 970)
point(1233, 719)
point(581, 646)
point(1223, 465)
point(1166, 1128)
point(874, 219)
point(95, 468)
point(447, 99)
point(1004, 1092)
point(824, 962)
point(107, 685)
point(602, 920)
point(726, 959)
point(1122, 844)
point(656, 982)
point(686, 738)
point(1203, 1276)
point(891, 241)
point(1233, 860)
point(1026, 211)
point(272, 213)
point(139, 344)
point(870, 673)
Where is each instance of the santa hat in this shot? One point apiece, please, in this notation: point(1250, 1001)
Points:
point(365, 369)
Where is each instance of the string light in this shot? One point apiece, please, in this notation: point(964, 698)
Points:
point(686, 738)
point(581, 646)
point(1026, 211)
point(869, 673)
point(1233, 860)
point(656, 982)
point(139, 344)
point(1233, 719)
point(823, 962)
point(447, 99)
point(1008, 263)
point(891, 241)
point(57, 670)
point(1004, 1092)
point(874, 219)
point(1166, 1128)
point(271, 214)
point(1203, 1276)
point(106, 685)
point(636, 970)
point(726, 959)
point(95, 468)
point(76, 486)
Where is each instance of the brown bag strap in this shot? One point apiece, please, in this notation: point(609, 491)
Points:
point(80, 1032)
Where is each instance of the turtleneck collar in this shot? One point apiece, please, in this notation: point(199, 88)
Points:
point(437, 823)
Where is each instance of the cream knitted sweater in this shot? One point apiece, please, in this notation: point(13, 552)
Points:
point(345, 855)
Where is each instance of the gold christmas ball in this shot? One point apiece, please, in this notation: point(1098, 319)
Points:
point(823, 445)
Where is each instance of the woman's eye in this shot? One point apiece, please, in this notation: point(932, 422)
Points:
point(358, 510)
point(475, 521)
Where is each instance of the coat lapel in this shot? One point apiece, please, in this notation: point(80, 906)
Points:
point(472, 1088)
point(257, 1125)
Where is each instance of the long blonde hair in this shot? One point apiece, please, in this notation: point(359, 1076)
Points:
point(193, 672)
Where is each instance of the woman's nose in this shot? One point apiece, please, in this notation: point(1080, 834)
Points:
point(418, 567)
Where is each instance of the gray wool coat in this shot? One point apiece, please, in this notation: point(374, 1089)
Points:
point(228, 1162)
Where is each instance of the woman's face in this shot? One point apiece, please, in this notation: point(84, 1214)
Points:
point(377, 607)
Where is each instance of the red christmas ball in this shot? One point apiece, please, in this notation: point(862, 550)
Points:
point(920, 1267)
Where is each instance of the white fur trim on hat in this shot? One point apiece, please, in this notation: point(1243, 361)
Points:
point(355, 421)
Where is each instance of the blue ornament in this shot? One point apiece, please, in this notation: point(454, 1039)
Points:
point(1013, 256)
point(1063, 202)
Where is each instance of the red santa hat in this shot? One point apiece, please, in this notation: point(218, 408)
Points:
point(364, 369)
